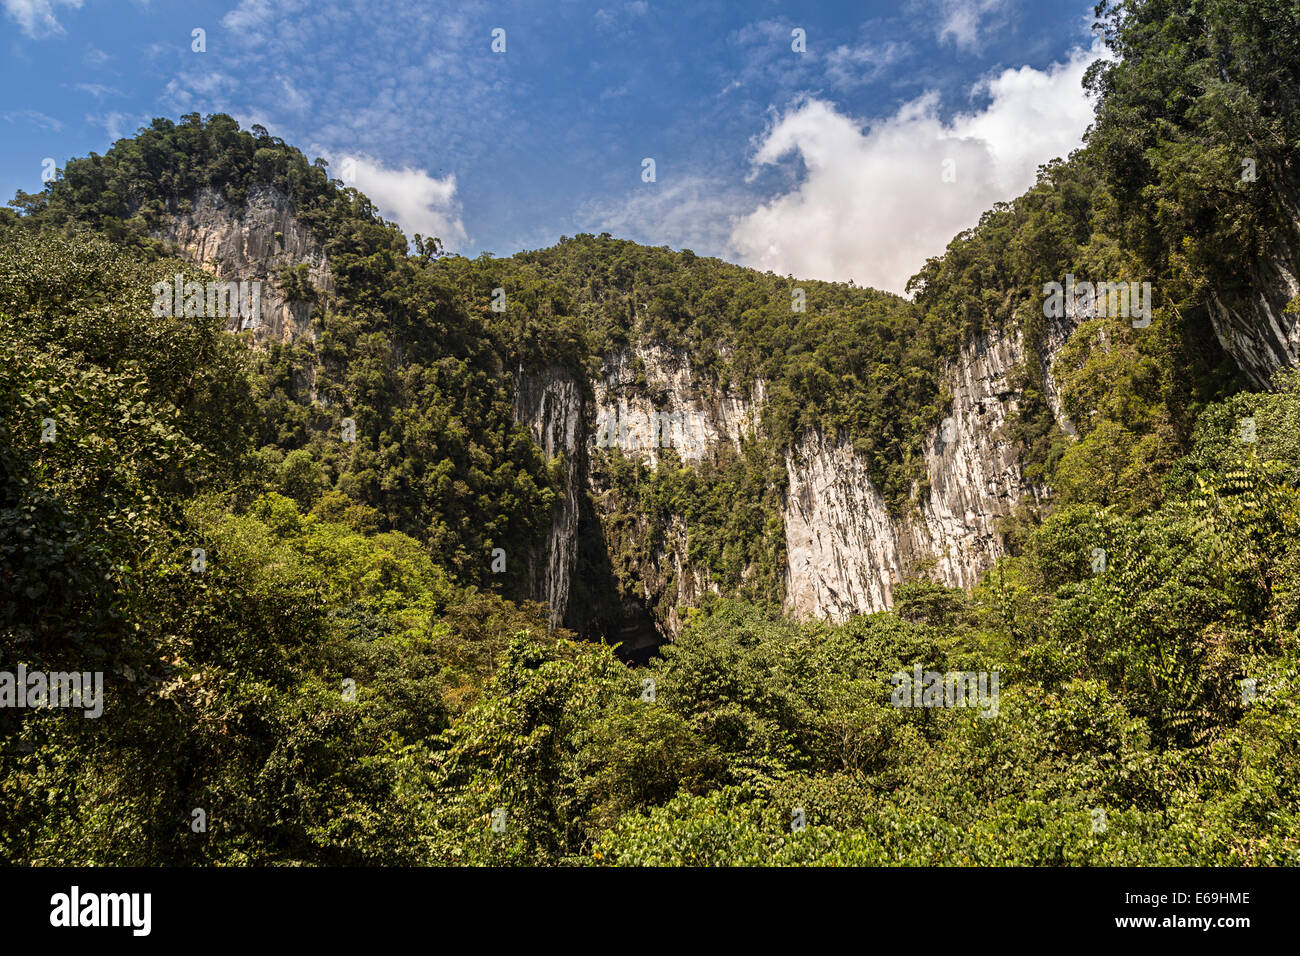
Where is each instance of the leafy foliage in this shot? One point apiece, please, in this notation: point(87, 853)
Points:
point(301, 637)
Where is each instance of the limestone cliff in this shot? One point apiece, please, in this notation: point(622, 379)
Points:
point(1253, 323)
point(845, 551)
point(253, 242)
point(646, 400)
point(550, 403)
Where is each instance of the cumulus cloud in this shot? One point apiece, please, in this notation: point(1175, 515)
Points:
point(36, 17)
point(411, 197)
point(873, 203)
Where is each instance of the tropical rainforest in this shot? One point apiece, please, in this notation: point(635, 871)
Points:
point(345, 679)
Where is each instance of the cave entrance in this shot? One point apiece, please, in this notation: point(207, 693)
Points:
point(598, 610)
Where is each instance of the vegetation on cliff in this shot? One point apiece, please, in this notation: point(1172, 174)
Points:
point(304, 639)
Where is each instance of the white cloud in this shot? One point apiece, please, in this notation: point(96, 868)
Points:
point(873, 204)
point(196, 87)
point(254, 118)
point(97, 90)
point(850, 66)
point(688, 212)
point(366, 77)
point(116, 124)
point(619, 20)
point(35, 117)
point(960, 20)
point(412, 198)
point(253, 15)
point(36, 17)
point(292, 99)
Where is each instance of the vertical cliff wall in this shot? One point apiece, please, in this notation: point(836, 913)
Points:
point(844, 549)
point(550, 403)
point(842, 546)
point(646, 400)
point(254, 241)
point(1252, 321)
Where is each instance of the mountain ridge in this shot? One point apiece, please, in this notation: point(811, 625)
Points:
point(304, 568)
point(961, 477)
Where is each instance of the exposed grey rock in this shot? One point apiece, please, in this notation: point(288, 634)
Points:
point(669, 409)
point(550, 404)
point(1252, 323)
point(672, 410)
point(842, 547)
point(253, 242)
point(845, 551)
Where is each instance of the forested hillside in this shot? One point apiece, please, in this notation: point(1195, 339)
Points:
point(319, 643)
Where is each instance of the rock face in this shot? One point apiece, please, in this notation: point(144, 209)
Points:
point(1252, 323)
point(842, 547)
point(972, 464)
point(550, 404)
point(845, 551)
point(648, 399)
point(253, 242)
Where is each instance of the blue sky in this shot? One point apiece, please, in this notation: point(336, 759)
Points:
point(856, 158)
